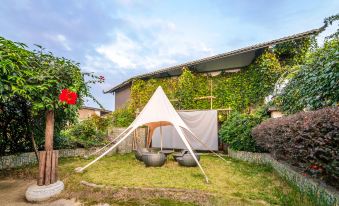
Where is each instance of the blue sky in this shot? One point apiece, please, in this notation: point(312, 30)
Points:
point(122, 38)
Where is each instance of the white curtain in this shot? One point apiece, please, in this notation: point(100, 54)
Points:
point(203, 124)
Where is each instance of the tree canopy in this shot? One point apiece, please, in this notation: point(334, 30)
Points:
point(30, 84)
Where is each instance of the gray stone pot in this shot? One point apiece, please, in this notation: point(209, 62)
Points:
point(188, 161)
point(179, 154)
point(154, 159)
point(139, 152)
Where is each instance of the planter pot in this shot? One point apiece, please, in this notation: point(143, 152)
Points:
point(179, 154)
point(166, 152)
point(139, 152)
point(188, 161)
point(154, 159)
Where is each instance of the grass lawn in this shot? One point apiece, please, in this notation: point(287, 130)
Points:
point(129, 182)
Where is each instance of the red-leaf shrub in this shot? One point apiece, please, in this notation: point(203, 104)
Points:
point(307, 140)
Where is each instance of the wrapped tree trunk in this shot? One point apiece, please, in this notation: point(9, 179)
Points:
point(49, 158)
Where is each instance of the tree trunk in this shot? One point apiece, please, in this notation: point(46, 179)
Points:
point(48, 158)
point(49, 131)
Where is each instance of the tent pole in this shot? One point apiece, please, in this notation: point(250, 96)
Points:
point(95, 152)
point(149, 138)
point(182, 135)
point(161, 137)
point(106, 152)
point(209, 149)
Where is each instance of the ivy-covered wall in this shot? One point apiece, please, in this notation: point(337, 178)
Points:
point(238, 91)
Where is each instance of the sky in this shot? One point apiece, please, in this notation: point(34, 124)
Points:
point(123, 38)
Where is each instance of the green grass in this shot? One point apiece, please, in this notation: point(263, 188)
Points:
point(231, 183)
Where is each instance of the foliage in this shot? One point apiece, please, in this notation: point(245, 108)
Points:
point(236, 131)
point(35, 79)
point(141, 91)
point(14, 119)
point(239, 90)
point(122, 117)
point(88, 133)
point(185, 92)
point(329, 21)
point(316, 83)
point(308, 140)
point(294, 52)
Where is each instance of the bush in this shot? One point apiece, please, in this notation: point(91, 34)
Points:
point(307, 140)
point(122, 117)
point(236, 131)
point(88, 133)
point(93, 131)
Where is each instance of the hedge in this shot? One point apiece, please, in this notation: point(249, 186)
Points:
point(306, 140)
point(236, 131)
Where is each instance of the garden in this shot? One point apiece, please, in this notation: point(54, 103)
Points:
point(290, 160)
point(122, 180)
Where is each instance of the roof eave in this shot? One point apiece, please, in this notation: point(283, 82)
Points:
point(219, 56)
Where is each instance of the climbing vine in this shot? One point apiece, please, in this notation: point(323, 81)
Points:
point(238, 91)
point(141, 90)
point(294, 52)
point(315, 84)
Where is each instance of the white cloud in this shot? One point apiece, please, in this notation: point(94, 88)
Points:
point(59, 39)
point(123, 51)
point(156, 43)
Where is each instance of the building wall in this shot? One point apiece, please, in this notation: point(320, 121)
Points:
point(276, 114)
point(86, 113)
point(122, 96)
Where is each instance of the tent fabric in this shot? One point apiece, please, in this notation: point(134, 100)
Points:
point(157, 112)
point(203, 124)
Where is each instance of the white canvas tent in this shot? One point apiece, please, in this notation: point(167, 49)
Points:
point(157, 112)
point(203, 123)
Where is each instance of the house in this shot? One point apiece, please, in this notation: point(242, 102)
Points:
point(274, 112)
point(232, 61)
point(86, 112)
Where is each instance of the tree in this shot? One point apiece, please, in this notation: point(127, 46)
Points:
point(39, 78)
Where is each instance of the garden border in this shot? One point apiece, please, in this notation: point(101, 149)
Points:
point(323, 195)
point(29, 158)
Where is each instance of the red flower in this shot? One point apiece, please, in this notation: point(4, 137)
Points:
point(68, 96)
point(314, 167)
point(101, 79)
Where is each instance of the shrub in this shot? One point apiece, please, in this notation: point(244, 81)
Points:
point(93, 131)
point(122, 117)
point(307, 140)
point(88, 133)
point(236, 131)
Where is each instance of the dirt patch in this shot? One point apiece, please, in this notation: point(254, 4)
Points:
point(141, 195)
point(12, 193)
